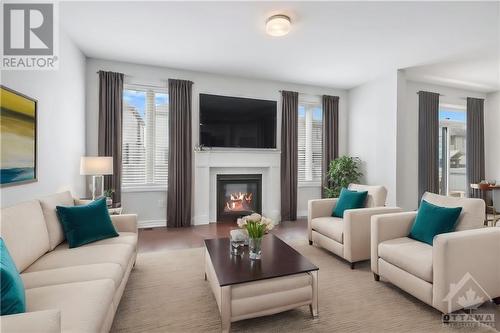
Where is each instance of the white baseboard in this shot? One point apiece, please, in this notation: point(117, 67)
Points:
point(151, 224)
point(302, 213)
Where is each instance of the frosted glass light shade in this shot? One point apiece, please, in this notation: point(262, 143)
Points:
point(96, 165)
point(278, 25)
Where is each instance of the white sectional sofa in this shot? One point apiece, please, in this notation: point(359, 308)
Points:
point(67, 290)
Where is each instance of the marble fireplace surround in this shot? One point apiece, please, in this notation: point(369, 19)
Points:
point(208, 164)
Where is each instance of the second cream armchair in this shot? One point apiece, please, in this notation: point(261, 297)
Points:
point(435, 273)
point(347, 237)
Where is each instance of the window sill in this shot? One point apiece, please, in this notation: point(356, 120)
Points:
point(145, 188)
point(309, 184)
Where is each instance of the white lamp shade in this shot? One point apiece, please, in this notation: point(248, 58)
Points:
point(96, 165)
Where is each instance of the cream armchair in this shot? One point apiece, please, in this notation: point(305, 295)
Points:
point(347, 237)
point(434, 273)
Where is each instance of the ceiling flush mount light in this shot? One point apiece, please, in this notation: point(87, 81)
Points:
point(278, 25)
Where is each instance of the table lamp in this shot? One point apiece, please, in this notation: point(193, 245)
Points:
point(97, 167)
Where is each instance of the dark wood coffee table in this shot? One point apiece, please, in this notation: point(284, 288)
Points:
point(281, 280)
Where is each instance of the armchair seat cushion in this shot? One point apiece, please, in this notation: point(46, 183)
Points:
point(410, 255)
point(331, 227)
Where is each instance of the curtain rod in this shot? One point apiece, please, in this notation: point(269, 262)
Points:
point(464, 98)
point(143, 85)
point(306, 94)
point(418, 92)
point(148, 85)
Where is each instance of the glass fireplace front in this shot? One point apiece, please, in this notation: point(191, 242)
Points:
point(238, 195)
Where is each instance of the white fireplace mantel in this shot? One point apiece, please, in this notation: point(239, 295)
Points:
point(208, 164)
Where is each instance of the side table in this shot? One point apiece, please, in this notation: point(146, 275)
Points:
point(490, 217)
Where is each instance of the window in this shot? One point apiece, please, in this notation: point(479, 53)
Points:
point(452, 154)
point(310, 142)
point(145, 137)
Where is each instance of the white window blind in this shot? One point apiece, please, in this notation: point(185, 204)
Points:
point(145, 137)
point(310, 142)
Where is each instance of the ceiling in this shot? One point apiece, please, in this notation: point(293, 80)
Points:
point(334, 44)
point(479, 74)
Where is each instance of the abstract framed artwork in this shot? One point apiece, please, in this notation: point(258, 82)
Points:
point(18, 137)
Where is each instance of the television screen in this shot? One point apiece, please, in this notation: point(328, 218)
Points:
point(237, 122)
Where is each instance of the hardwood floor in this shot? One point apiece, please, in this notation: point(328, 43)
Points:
point(161, 239)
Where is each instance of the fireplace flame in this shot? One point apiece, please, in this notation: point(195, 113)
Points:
point(240, 201)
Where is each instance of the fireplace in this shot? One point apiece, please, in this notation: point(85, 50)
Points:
point(238, 195)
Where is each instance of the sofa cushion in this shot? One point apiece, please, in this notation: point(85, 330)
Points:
point(331, 227)
point(71, 274)
point(12, 289)
point(62, 256)
point(86, 224)
point(129, 238)
point(376, 194)
point(49, 203)
point(24, 231)
point(473, 210)
point(433, 220)
point(84, 305)
point(410, 255)
point(349, 200)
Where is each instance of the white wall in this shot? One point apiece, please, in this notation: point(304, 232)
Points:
point(407, 168)
point(61, 124)
point(492, 136)
point(148, 205)
point(372, 131)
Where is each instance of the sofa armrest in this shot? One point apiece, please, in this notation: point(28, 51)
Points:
point(47, 321)
point(319, 208)
point(125, 222)
point(80, 202)
point(357, 231)
point(455, 255)
point(386, 227)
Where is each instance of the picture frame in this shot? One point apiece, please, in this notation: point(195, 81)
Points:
point(19, 138)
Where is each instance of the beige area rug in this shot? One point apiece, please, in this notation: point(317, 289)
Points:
point(167, 293)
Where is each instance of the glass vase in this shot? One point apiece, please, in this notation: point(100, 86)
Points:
point(255, 247)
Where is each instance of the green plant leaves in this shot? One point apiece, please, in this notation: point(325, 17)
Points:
point(255, 229)
point(341, 172)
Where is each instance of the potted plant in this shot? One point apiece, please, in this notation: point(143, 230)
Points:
point(109, 196)
point(341, 172)
point(256, 226)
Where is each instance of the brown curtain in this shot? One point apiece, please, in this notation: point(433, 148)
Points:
point(110, 127)
point(179, 154)
point(475, 145)
point(289, 111)
point(428, 141)
point(330, 135)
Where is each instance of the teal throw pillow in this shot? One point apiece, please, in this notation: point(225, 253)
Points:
point(87, 223)
point(13, 299)
point(349, 200)
point(433, 220)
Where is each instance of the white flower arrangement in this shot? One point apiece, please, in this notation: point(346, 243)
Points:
point(256, 225)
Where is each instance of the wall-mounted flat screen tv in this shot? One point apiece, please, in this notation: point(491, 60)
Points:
point(237, 122)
